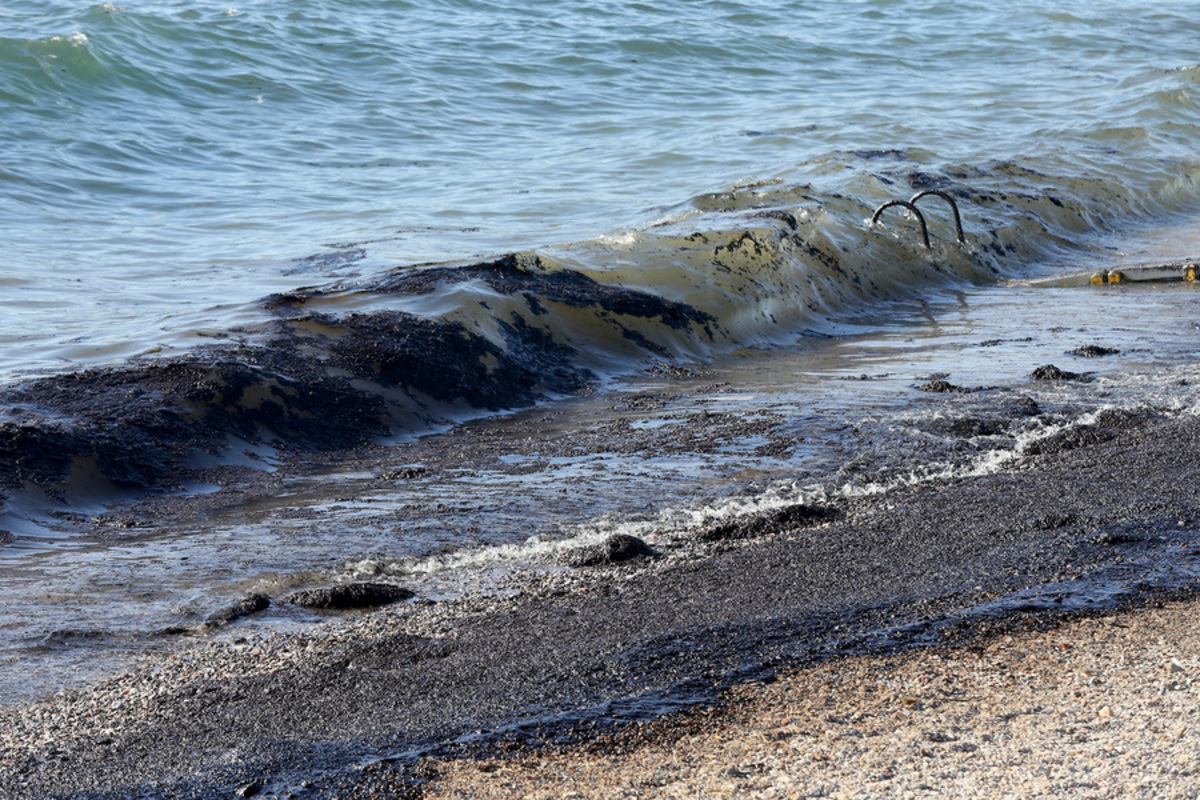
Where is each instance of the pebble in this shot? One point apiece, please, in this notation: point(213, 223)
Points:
point(1002, 719)
point(1008, 702)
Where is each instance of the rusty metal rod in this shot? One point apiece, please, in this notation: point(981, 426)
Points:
point(962, 240)
point(915, 211)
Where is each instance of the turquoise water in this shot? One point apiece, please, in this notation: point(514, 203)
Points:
point(168, 163)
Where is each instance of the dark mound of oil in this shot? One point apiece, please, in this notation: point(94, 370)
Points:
point(311, 381)
point(768, 522)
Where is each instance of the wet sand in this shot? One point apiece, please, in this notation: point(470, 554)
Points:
point(1095, 518)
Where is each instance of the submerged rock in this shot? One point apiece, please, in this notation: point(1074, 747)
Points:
point(1049, 372)
point(349, 595)
point(404, 474)
point(1093, 351)
point(1120, 418)
point(250, 604)
point(1070, 438)
point(613, 550)
point(940, 386)
point(970, 427)
point(768, 522)
point(250, 789)
point(1021, 406)
point(1113, 538)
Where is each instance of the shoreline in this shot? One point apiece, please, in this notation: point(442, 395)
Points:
point(352, 710)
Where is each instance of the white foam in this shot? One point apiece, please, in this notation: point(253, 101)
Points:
point(674, 218)
point(621, 240)
point(987, 462)
point(77, 39)
point(664, 528)
point(1166, 391)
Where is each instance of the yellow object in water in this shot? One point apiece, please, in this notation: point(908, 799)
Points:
point(1188, 271)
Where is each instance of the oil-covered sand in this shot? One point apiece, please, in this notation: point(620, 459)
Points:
point(1098, 516)
point(1098, 707)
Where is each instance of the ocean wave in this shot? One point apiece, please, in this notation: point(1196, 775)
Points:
point(341, 365)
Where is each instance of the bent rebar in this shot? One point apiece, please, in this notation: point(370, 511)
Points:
point(962, 240)
point(916, 212)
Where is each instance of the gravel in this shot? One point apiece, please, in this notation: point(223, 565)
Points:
point(1104, 707)
point(348, 711)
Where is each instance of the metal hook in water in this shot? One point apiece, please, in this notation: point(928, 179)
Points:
point(915, 211)
point(962, 240)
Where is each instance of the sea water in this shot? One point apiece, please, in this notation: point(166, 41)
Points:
point(170, 166)
point(168, 163)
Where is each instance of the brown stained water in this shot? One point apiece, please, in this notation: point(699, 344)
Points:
point(172, 164)
point(653, 454)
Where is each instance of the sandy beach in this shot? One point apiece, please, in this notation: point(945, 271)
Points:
point(1103, 707)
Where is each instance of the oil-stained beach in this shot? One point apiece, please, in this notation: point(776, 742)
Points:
point(1099, 707)
point(441, 399)
point(1097, 516)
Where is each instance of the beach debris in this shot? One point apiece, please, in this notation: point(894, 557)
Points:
point(345, 596)
point(776, 520)
point(613, 550)
point(1187, 271)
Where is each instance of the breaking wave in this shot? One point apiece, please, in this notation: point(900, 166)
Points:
point(338, 366)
